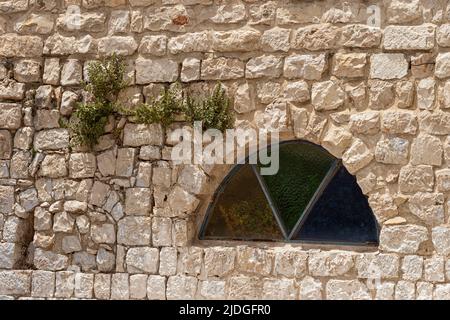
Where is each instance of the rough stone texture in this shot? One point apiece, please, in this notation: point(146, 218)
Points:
point(409, 37)
point(388, 66)
point(403, 239)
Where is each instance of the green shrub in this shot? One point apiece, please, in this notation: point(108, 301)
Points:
point(106, 78)
point(89, 122)
point(214, 110)
point(161, 110)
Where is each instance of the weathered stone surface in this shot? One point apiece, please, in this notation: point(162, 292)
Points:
point(309, 67)
point(435, 123)
point(426, 149)
point(134, 231)
point(125, 161)
point(404, 94)
point(11, 255)
point(367, 122)
point(403, 239)
point(327, 95)
point(71, 244)
point(416, 178)
point(441, 239)
point(161, 231)
point(274, 289)
point(399, 122)
point(426, 93)
point(53, 166)
point(349, 65)
point(16, 282)
point(190, 70)
point(443, 35)
point(155, 70)
point(245, 39)
point(243, 287)
point(44, 97)
point(27, 70)
point(212, 289)
point(434, 269)
point(336, 140)
point(83, 285)
point(357, 156)
point(347, 290)
point(189, 42)
point(310, 289)
point(264, 66)
point(136, 135)
point(71, 73)
point(442, 68)
point(88, 21)
point(403, 11)
point(124, 46)
point(222, 69)
point(181, 287)
point(13, 45)
point(138, 201)
point(219, 261)
point(392, 151)
point(82, 165)
point(156, 287)
point(360, 36)
point(254, 260)
point(47, 260)
point(103, 233)
point(329, 264)
point(174, 18)
point(442, 292)
point(405, 290)
point(153, 45)
point(46, 119)
point(142, 260)
point(52, 139)
point(65, 282)
point(381, 94)
point(316, 37)
point(10, 114)
point(377, 266)
point(276, 39)
point(5, 144)
point(192, 178)
point(168, 257)
point(138, 286)
point(63, 222)
point(388, 66)
point(443, 180)
point(412, 268)
point(409, 37)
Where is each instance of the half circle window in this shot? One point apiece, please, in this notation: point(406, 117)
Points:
point(312, 198)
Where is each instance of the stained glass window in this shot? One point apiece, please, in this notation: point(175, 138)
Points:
point(312, 198)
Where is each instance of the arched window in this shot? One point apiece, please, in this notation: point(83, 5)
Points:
point(312, 198)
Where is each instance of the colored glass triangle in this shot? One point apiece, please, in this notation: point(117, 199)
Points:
point(341, 214)
point(303, 166)
point(241, 210)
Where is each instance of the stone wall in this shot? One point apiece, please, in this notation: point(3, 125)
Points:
point(120, 221)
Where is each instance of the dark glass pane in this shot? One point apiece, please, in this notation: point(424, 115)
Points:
point(341, 214)
point(302, 168)
point(242, 210)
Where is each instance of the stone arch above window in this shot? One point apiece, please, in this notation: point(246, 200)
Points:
point(312, 198)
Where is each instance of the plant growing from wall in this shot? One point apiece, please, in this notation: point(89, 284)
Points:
point(214, 110)
point(161, 109)
point(106, 80)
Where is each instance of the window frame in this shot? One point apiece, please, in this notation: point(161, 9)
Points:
point(287, 237)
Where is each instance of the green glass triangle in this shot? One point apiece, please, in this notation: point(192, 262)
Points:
point(303, 166)
point(241, 210)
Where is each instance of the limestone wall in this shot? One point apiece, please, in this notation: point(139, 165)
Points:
point(120, 221)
